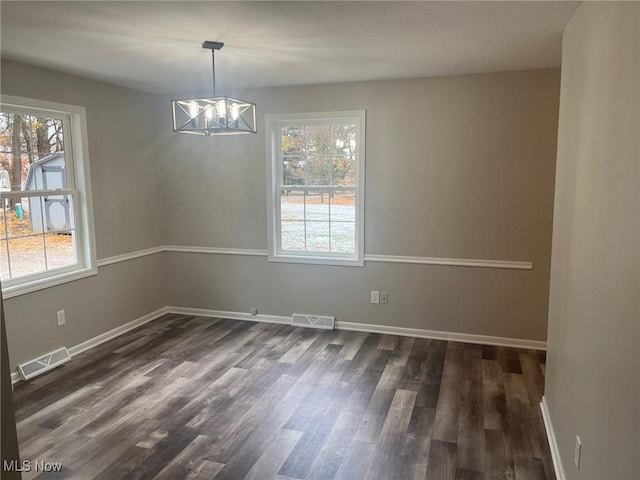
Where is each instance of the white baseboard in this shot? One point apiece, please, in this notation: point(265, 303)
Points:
point(439, 335)
point(106, 336)
point(202, 312)
point(553, 444)
point(365, 327)
point(359, 327)
point(116, 332)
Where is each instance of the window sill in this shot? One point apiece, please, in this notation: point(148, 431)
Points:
point(42, 283)
point(336, 261)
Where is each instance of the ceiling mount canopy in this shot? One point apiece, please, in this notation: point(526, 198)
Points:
point(214, 115)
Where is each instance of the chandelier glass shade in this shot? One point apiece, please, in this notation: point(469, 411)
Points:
point(214, 115)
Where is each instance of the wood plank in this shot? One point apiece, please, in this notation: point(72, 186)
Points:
point(413, 457)
point(131, 458)
point(187, 460)
point(356, 462)
point(299, 462)
point(401, 353)
point(522, 434)
point(466, 474)
point(509, 360)
point(442, 461)
point(335, 448)
point(205, 471)
point(274, 455)
point(495, 402)
point(533, 377)
point(470, 444)
point(385, 462)
point(498, 456)
point(429, 388)
point(446, 422)
point(373, 419)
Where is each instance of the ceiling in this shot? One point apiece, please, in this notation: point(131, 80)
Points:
point(156, 46)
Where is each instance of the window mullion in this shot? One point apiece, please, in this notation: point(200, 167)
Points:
point(67, 138)
point(306, 182)
point(6, 238)
point(43, 206)
point(329, 197)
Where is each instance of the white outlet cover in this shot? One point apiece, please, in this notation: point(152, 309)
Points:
point(578, 452)
point(375, 296)
point(61, 318)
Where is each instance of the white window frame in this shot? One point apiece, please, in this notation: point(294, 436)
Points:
point(79, 187)
point(273, 127)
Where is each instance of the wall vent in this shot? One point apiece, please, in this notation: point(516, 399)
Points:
point(44, 363)
point(312, 321)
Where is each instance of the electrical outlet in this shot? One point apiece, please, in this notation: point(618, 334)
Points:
point(375, 296)
point(254, 311)
point(578, 452)
point(384, 298)
point(61, 319)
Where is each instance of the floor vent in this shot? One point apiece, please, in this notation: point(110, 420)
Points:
point(44, 363)
point(312, 321)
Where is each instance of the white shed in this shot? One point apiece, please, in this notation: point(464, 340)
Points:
point(48, 173)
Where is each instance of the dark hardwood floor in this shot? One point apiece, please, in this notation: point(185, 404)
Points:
point(196, 398)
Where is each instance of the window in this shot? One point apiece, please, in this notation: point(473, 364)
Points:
point(315, 203)
point(46, 228)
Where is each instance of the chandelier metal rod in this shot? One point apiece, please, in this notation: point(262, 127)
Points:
point(213, 46)
point(213, 70)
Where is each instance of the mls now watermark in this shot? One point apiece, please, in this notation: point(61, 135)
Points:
point(28, 466)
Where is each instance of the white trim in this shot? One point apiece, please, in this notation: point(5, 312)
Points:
point(553, 443)
point(129, 256)
point(202, 312)
point(456, 262)
point(116, 332)
point(106, 336)
point(311, 260)
point(364, 327)
point(52, 281)
point(215, 250)
point(440, 335)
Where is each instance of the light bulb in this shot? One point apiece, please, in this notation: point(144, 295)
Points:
point(208, 112)
point(193, 109)
point(221, 107)
point(235, 112)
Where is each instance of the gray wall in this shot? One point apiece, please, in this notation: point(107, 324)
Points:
point(122, 131)
point(469, 175)
point(593, 359)
point(457, 167)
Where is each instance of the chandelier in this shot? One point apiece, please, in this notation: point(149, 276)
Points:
point(214, 115)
